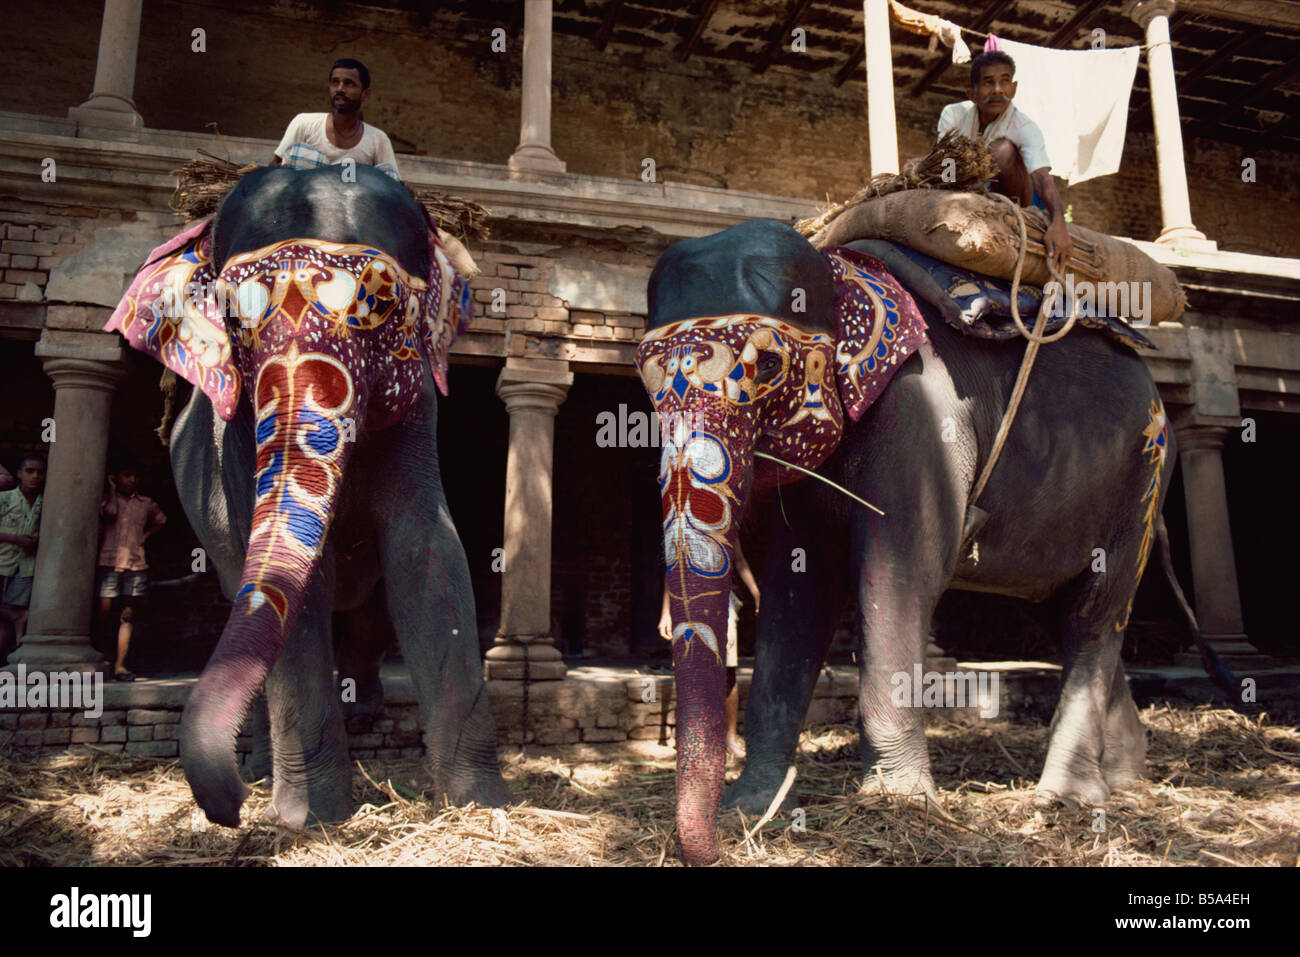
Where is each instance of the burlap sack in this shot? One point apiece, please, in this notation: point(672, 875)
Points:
point(979, 233)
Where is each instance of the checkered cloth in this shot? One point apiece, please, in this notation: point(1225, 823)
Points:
point(305, 156)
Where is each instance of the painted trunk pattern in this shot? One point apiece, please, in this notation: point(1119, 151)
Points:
point(707, 378)
point(331, 336)
point(726, 387)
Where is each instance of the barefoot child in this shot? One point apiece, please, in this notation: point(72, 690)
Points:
point(129, 519)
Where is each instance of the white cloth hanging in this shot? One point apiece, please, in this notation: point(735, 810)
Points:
point(1079, 99)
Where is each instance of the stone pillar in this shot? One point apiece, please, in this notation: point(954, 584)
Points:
point(86, 369)
point(1175, 205)
point(534, 150)
point(110, 104)
point(1214, 569)
point(532, 396)
point(882, 132)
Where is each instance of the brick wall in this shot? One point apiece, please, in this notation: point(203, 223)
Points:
point(26, 254)
point(512, 294)
point(35, 238)
point(592, 706)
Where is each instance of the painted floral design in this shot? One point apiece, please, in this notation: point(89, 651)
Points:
point(1155, 449)
point(693, 476)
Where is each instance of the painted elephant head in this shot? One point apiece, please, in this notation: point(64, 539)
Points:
point(756, 346)
point(317, 302)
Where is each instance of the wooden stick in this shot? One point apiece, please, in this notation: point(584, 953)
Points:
point(776, 803)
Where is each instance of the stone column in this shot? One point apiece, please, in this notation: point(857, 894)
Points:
point(86, 369)
point(110, 105)
point(1175, 205)
point(532, 396)
point(882, 132)
point(534, 150)
point(1214, 569)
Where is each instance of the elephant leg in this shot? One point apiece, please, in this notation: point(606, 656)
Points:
point(431, 606)
point(904, 563)
point(313, 777)
point(1123, 761)
point(213, 464)
point(1072, 771)
point(258, 728)
point(894, 624)
point(366, 635)
point(802, 597)
point(426, 578)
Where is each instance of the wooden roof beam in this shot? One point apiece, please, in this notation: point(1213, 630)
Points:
point(796, 11)
point(701, 23)
point(607, 24)
point(1202, 69)
point(1080, 19)
point(854, 62)
point(1266, 84)
point(986, 18)
point(1224, 54)
point(1264, 13)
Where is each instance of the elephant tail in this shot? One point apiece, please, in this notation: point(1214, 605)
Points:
point(1212, 663)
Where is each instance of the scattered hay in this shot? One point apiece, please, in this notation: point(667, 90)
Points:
point(972, 166)
point(203, 182)
point(1224, 789)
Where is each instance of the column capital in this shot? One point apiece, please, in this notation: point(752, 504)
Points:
point(1142, 12)
point(1201, 438)
point(85, 374)
point(536, 389)
point(82, 360)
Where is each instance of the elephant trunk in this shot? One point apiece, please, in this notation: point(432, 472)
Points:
point(701, 691)
point(306, 407)
point(703, 485)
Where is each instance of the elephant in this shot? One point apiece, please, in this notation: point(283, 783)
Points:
point(313, 315)
point(762, 354)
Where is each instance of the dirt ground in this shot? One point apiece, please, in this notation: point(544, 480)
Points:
point(1222, 790)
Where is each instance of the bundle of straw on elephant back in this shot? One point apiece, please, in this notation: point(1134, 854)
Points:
point(202, 183)
point(977, 232)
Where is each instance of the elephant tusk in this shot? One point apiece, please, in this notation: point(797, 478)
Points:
point(834, 485)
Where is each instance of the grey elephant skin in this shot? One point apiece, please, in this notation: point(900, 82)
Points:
point(390, 559)
point(1071, 479)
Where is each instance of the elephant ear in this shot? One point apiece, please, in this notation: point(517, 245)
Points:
point(447, 310)
point(171, 312)
point(879, 327)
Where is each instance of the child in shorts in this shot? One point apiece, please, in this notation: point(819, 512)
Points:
point(129, 518)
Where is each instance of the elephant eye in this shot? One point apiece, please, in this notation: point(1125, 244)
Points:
point(769, 364)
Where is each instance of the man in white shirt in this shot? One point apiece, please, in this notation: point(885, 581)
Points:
point(1015, 142)
point(327, 139)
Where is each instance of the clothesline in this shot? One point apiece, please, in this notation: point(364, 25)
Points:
point(1140, 46)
